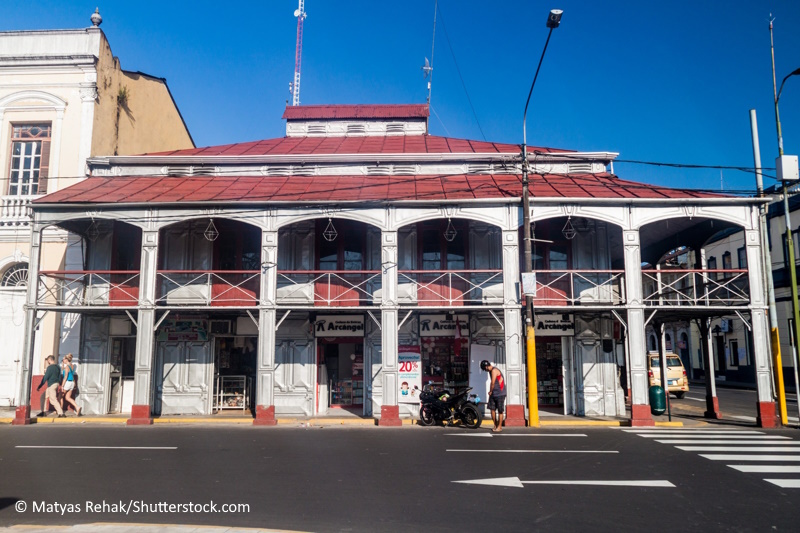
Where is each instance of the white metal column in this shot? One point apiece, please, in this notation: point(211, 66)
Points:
point(23, 413)
point(265, 373)
point(758, 321)
point(145, 331)
point(640, 412)
point(390, 410)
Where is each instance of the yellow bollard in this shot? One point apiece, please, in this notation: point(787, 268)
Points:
point(776, 359)
point(533, 389)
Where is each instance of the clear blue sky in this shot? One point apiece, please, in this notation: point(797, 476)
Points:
point(654, 81)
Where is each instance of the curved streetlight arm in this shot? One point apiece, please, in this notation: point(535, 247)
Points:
point(528, 101)
point(778, 97)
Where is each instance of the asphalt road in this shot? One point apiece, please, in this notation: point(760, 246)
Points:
point(737, 405)
point(394, 479)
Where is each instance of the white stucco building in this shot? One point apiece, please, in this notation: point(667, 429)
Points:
point(63, 98)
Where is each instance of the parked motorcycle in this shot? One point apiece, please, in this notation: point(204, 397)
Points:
point(438, 406)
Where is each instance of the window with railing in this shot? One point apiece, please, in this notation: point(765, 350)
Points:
point(30, 159)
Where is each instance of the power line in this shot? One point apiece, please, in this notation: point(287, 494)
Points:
point(464, 85)
point(749, 170)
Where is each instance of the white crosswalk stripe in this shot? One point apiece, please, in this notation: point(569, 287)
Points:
point(772, 454)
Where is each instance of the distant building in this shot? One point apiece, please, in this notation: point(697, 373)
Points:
point(63, 98)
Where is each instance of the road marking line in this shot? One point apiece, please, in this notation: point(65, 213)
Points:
point(702, 438)
point(768, 469)
point(697, 441)
point(518, 435)
point(785, 483)
point(515, 482)
point(681, 433)
point(732, 457)
point(542, 435)
point(695, 399)
point(536, 451)
point(785, 448)
point(610, 483)
point(701, 429)
point(103, 447)
point(745, 418)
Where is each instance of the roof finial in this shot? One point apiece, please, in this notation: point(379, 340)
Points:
point(96, 18)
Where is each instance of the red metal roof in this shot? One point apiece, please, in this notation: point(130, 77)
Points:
point(357, 111)
point(392, 144)
point(299, 189)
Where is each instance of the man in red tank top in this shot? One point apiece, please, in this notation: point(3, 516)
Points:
point(497, 395)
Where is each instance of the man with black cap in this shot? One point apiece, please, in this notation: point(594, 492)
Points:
point(497, 394)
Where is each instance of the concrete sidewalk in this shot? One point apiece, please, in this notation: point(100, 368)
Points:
point(546, 419)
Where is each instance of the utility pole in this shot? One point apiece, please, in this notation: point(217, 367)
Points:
point(553, 21)
point(786, 214)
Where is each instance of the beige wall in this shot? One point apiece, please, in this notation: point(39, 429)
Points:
point(148, 122)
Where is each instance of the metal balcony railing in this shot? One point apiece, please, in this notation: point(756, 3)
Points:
point(446, 288)
point(83, 288)
point(697, 288)
point(329, 288)
point(579, 287)
point(236, 288)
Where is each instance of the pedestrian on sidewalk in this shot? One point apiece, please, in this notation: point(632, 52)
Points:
point(68, 383)
point(52, 376)
point(497, 395)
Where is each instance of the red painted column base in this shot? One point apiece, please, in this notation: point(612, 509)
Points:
point(22, 416)
point(265, 416)
point(640, 415)
point(712, 408)
point(515, 416)
point(140, 416)
point(390, 416)
point(767, 417)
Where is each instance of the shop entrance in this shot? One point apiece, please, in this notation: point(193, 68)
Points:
point(340, 384)
point(549, 373)
point(122, 360)
point(235, 361)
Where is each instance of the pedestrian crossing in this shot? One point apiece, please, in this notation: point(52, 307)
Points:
point(743, 450)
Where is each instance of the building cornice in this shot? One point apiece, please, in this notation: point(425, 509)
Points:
point(198, 160)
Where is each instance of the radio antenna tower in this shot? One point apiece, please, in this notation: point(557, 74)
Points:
point(298, 53)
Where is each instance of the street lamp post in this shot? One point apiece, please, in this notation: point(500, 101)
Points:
point(553, 21)
point(786, 215)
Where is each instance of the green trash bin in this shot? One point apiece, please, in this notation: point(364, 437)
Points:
point(658, 400)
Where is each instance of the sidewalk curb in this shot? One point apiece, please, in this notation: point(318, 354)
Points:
point(317, 422)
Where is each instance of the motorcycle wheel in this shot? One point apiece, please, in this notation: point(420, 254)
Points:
point(470, 416)
point(426, 416)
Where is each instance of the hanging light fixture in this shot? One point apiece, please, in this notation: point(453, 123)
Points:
point(92, 232)
point(569, 230)
point(330, 232)
point(450, 233)
point(211, 233)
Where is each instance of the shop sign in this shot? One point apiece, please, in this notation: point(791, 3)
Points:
point(558, 325)
point(409, 374)
point(442, 326)
point(183, 330)
point(339, 326)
